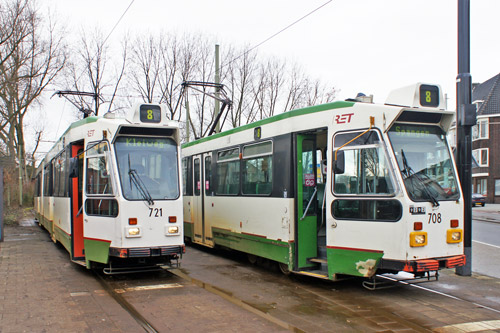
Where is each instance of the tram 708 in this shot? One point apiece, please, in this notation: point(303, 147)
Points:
point(109, 191)
point(345, 188)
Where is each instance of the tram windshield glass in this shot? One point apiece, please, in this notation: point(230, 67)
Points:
point(424, 162)
point(148, 168)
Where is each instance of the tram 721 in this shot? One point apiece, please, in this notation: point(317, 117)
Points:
point(109, 191)
point(345, 188)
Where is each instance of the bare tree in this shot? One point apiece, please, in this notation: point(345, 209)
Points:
point(259, 88)
point(32, 57)
point(91, 71)
point(145, 61)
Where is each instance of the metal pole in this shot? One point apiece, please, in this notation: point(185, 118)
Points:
point(466, 118)
point(1, 204)
point(217, 90)
point(188, 124)
point(20, 180)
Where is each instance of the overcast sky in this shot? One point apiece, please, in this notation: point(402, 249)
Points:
point(355, 45)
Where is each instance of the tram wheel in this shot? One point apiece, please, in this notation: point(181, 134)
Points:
point(284, 268)
point(252, 258)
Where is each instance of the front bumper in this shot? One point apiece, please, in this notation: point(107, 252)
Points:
point(146, 252)
point(422, 265)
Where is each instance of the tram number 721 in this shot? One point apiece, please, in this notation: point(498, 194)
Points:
point(434, 218)
point(155, 212)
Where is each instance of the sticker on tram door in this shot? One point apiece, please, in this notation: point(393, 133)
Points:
point(417, 210)
point(309, 179)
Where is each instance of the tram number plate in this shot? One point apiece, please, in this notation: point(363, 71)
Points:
point(434, 218)
point(155, 212)
point(417, 210)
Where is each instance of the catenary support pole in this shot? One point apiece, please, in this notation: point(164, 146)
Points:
point(188, 123)
point(466, 118)
point(1, 204)
point(20, 179)
point(217, 81)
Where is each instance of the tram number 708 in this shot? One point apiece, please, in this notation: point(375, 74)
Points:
point(434, 218)
point(155, 212)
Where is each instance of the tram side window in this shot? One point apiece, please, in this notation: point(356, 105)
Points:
point(60, 175)
point(228, 172)
point(187, 176)
point(208, 175)
point(257, 175)
point(366, 168)
point(101, 207)
point(37, 186)
point(47, 180)
point(197, 178)
point(366, 173)
point(98, 180)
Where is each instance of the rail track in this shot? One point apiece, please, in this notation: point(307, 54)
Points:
point(139, 318)
point(305, 305)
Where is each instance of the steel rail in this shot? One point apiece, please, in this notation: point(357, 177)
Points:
point(143, 322)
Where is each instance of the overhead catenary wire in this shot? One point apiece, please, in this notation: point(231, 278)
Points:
point(109, 34)
point(277, 33)
point(60, 118)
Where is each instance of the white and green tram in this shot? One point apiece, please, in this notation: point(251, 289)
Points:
point(109, 191)
point(344, 188)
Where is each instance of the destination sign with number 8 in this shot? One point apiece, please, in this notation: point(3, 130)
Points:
point(150, 113)
point(429, 95)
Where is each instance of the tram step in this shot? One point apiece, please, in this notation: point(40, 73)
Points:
point(79, 262)
point(319, 260)
point(317, 274)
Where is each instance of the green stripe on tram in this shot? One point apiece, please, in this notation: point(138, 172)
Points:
point(63, 238)
point(278, 117)
point(266, 248)
point(352, 262)
point(96, 250)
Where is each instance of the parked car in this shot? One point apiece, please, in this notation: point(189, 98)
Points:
point(478, 199)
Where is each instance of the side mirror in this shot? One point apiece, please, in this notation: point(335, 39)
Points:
point(73, 167)
point(339, 164)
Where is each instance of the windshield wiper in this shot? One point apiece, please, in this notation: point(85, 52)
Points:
point(137, 181)
point(408, 172)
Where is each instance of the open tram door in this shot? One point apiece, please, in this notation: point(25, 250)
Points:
point(309, 197)
point(76, 195)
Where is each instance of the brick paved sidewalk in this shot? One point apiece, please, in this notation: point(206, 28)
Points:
point(41, 290)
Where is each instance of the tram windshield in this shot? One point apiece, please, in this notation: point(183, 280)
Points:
point(147, 167)
point(424, 162)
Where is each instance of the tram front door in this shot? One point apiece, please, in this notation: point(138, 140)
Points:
point(76, 205)
point(306, 227)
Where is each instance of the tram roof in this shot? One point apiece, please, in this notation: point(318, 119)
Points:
point(275, 118)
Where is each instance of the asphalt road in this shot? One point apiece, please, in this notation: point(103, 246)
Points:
point(486, 240)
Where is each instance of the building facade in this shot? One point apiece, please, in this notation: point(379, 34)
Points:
point(486, 139)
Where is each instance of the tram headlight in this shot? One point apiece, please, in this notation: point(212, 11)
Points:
point(133, 232)
point(454, 236)
point(418, 238)
point(172, 230)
